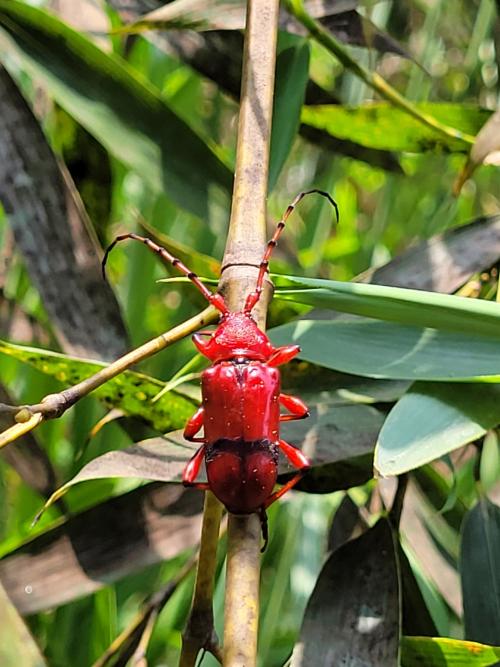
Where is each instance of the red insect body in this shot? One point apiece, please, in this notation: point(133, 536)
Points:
point(240, 413)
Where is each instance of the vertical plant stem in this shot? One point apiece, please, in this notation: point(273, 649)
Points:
point(199, 632)
point(245, 245)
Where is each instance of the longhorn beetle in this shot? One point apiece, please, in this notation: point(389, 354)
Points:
point(240, 413)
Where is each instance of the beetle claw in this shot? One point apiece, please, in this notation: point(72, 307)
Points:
point(264, 528)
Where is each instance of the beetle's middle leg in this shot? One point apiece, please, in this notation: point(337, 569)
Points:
point(192, 469)
point(297, 408)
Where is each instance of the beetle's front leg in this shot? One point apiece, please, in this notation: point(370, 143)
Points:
point(194, 425)
point(282, 355)
point(297, 408)
point(192, 469)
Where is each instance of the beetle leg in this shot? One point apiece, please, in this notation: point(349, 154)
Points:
point(282, 355)
point(299, 460)
point(193, 425)
point(193, 468)
point(296, 407)
point(264, 528)
point(294, 455)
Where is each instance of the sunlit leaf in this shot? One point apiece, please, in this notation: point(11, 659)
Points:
point(479, 558)
point(121, 110)
point(382, 126)
point(395, 304)
point(444, 652)
point(131, 392)
point(433, 419)
point(353, 613)
point(202, 264)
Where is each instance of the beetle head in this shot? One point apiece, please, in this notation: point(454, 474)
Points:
point(236, 336)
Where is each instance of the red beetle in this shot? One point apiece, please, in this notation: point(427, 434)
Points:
point(240, 414)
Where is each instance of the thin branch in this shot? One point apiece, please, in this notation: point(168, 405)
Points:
point(372, 79)
point(54, 405)
point(199, 632)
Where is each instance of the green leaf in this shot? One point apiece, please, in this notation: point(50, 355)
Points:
point(396, 304)
point(122, 111)
point(444, 652)
point(489, 468)
point(292, 75)
point(381, 125)
point(480, 572)
point(352, 617)
point(416, 617)
point(131, 392)
point(17, 646)
point(392, 351)
point(433, 419)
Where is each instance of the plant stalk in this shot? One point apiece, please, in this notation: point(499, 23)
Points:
point(199, 632)
point(244, 249)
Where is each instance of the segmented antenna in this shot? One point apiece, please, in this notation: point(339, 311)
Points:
point(254, 296)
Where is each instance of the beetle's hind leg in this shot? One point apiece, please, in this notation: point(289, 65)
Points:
point(264, 528)
point(300, 461)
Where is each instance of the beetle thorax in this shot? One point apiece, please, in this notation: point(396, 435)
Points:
point(236, 336)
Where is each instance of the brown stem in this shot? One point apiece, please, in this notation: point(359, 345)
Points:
point(245, 244)
point(199, 632)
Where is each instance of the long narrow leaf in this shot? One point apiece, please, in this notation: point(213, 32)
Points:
point(396, 304)
point(392, 351)
point(380, 125)
point(444, 652)
point(121, 110)
point(479, 558)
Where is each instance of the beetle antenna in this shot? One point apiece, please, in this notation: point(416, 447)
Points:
point(254, 296)
point(217, 300)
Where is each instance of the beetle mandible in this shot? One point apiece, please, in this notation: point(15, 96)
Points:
point(241, 397)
